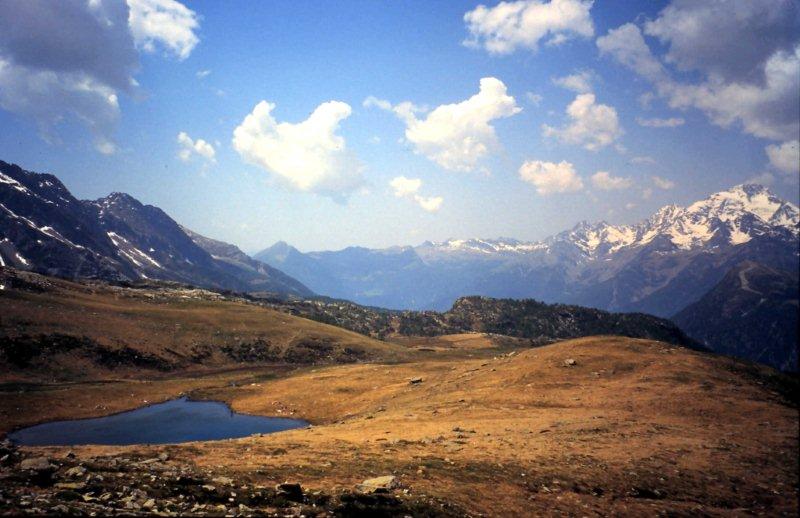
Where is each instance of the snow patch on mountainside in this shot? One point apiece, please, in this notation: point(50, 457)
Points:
point(131, 252)
point(13, 183)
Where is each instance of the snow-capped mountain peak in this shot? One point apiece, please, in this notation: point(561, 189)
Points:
point(486, 247)
point(745, 198)
point(732, 217)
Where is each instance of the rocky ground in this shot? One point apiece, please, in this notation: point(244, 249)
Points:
point(137, 485)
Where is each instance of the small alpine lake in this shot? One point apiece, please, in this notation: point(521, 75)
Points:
point(174, 421)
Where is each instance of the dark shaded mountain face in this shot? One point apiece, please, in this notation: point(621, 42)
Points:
point(657, 266)
point(549, 322)
point(43, 228)
point(751, 313)
point(535, 321)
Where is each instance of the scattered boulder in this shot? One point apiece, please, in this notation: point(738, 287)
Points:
point(415, 380)
point(290, 491)
point(570, 362)
point(74, 486)
point(76, 472)
point(384, 484)
point(122, 486)
point(36, 464)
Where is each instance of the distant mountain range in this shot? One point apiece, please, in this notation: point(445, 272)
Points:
point(658, 266)
point(724, 268)
point(44, 228)
point(682, 261)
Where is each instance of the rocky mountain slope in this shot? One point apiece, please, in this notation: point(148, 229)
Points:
point(43, 228)
point(537, 322)
point(657, 266)
point(751, 313)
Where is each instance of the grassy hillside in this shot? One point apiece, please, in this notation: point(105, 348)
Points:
point(627, 427)
point(66, 330)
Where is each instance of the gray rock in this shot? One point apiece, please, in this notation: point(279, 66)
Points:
point(382, 484)
point(36, 464)
point(76, 472)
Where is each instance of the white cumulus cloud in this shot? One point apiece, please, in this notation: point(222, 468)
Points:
point(663, 183)
point(525, 23)
point(189, 147)
point(165, 22)
point(409, 188)
point(405, 186)
point(592, 125)
point(455, 136)
point(551, 177)
point(603, 180)
point(626, 44)
point(308, 155)
point(580, 82)
point(785, 157)
point(430, 204)
point(374, 102)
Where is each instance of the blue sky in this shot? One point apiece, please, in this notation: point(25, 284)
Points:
point(207, 68)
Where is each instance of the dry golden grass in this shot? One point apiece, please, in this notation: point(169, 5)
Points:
point(634, 427)
point(170, 327)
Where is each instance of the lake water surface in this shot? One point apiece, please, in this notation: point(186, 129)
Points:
point(179, 420)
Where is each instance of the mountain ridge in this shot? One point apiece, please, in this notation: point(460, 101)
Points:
point(646, 266)
point(44, 228)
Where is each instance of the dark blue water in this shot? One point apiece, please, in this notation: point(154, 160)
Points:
point(179, 420)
